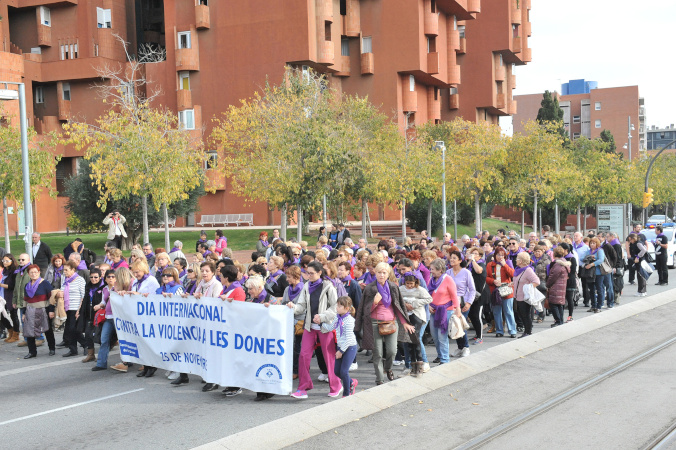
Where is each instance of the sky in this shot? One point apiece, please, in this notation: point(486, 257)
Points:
point(613, 42)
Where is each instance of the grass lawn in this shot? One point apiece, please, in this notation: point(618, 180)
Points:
point(491, 225)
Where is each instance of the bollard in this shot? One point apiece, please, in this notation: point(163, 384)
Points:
point(67, 231)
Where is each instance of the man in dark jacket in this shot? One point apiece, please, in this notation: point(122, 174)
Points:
point(609, 251)
point(42, 254)
point(343, 233)
point(618, 273)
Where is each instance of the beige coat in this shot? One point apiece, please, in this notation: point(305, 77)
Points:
point(111, 226)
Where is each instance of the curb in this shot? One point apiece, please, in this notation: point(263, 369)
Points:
point(320, 419)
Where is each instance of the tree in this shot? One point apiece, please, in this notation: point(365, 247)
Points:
point(42, 167)
point(551, 112)
point(136, 149)
point(82, 193)
point(607, 137)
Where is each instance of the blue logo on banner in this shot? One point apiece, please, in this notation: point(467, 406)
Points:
point(128, 348)
point(269, 373)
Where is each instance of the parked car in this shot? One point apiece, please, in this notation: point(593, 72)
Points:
point(657, 219)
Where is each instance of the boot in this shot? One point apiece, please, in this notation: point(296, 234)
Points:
point(14, 337)
point(421, 368)
point(90, 356)
point(414, 369)
point(492, 329)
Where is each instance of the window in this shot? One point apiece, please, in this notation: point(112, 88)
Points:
point(576, 119)
point(502, 63)
point(597, 106)
point(45, 16)
point(434, 6)
point(184, 39)
point(212, 160)
point(184, 81)
point(126, 92)
point(455, 23)
point(103, 18)
point(64, 170)
point(186, 119)
point(454, 91)
point(411, 83)
point(343, 7)
point(306, 72)
point(36, 50)
point(597, 123)
point(345, 47)
point(68, 51)
point(576, 135)
point(366, 46)
point(66, 91)
point(515, 31)
point(431, 44)
point(461, 30)
point(436, 93)
point(327, 30)
point(200, 2)
point(39, 95)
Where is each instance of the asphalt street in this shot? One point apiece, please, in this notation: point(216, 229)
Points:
point(65, 404)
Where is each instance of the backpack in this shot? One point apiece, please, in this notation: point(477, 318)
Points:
point(89, 256)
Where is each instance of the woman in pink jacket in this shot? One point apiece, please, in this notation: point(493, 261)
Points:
point(221, 242)
point(444, 302)
point(523, 275)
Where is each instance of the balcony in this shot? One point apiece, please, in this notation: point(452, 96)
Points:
point(367, 64)
point(526, 29)
point(431, 19)
point(202, 20)
point(454, 74)
point(512, 107)
point(343, 66)
point(64, 109)
point(500, 101)
point(409, 100)
point(454, 101)
point(474, 6)
point(325, 51)
point(433, 105)
point(44, 35)
point(324, 10)
point(47, 125)
point(433, 62)
point(187, 59)
point(184, 99)
point(453, 39)
point(526, 55)
point(512, 81)
point(516, 13)
point(35, 3)
point(351, 21)
point(526, 4)
point(516, 45)
point(499, 72)
point(462, 46)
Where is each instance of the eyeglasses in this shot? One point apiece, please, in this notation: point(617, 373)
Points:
point(167, 275)
point(110, 276)
point(6, 261)
point(191, 271)
point(310, 273)
point(94, 277)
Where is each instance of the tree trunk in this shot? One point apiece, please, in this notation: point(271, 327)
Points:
point(430, 203)
point(364, 213)
point(477, 215)
point(300, 223)
point(282, 232)
point(403, 222)
point(556, 216)
point(5, 219)
point(535, 212)
point(167, 245)
point(523, 223)
point(578, 218)
point(584, 222)
point(146, 235)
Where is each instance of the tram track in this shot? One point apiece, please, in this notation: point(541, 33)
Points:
point(662, 441)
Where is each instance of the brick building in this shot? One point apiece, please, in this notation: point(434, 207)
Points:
point(588, 110)
point(422, 60)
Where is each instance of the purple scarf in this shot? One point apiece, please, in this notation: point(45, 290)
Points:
point(93, 289)
point(384, 291)
point(32, 287)
point(167, 286)
point(21, 269)
point(234, 285)
point(183, 273)
point(340, 322)
point(174, 249)
point(66, 291)
point(150, 255)
point(294, 291)
point(261, 297)
point(369, 278)
point(361, 278)
point(263, 242)
point(138, 283)
point(435, 283)
point(193, 287)
point(616, 241)
point(313, 285)
point(117, 264)
point(346, 279)
point(277, 274)
point(82, 265)
point(519, 270)
point(441, 318)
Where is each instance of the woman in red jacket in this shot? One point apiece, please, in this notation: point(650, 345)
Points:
point(499, 274)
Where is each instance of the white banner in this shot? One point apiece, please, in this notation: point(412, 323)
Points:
point(232, 344)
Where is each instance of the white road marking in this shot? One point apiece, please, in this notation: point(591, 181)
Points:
point(18, 419)
point(7, 373)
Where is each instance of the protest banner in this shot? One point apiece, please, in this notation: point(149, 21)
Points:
point(232, 344)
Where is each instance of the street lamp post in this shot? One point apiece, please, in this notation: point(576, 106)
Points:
point(630, 128)
point(8, 94)
point(440, 145)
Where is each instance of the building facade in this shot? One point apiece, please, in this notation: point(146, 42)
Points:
point(421, 60)
point(620, 110)
point(657, 137)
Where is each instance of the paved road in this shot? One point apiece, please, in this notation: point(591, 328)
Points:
point(59, 398)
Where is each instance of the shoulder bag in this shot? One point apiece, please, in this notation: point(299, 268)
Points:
point(605, 267)
point(387, 327)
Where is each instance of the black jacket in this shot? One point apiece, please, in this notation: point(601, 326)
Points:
point(610, 254)
point(87, 306)
point(43, 257)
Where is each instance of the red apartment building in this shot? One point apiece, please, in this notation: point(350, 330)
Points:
point(588, 114)
point(422, 60)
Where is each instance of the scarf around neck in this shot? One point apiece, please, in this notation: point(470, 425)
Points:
point(435, 283)
point(138, 283)
point(294, 291)
point(384, 291)
point(234, 285)
point(32, 287)
point(519, 270)
point(313, 285)
point(342, 317)
point(66, 291)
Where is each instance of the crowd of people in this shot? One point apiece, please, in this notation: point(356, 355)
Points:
point(390, 301)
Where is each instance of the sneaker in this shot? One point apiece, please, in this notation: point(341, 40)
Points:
point(437, 360)
point(397, 363)
point(520, 329)
point(464, 352)
point(632, 282)
point(173, 375)
point(119, 367)
point(644, 294)
point(231, 392)
point(336, 394)
point(167, 373)
point(323, 377)
point(524, 335)
point(457, 352)
point(570, 319)
point(299, 394)
point(478, 341)
point(426, 367)
point(638, 294)
point(499, 335)
point(354, 366)
point(209, 387)
point(353, 386)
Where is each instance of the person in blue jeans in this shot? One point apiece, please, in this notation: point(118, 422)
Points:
point(499, 273)
point(444, 303)
point(108, 330)
point(346, 343)
point(598, 255)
